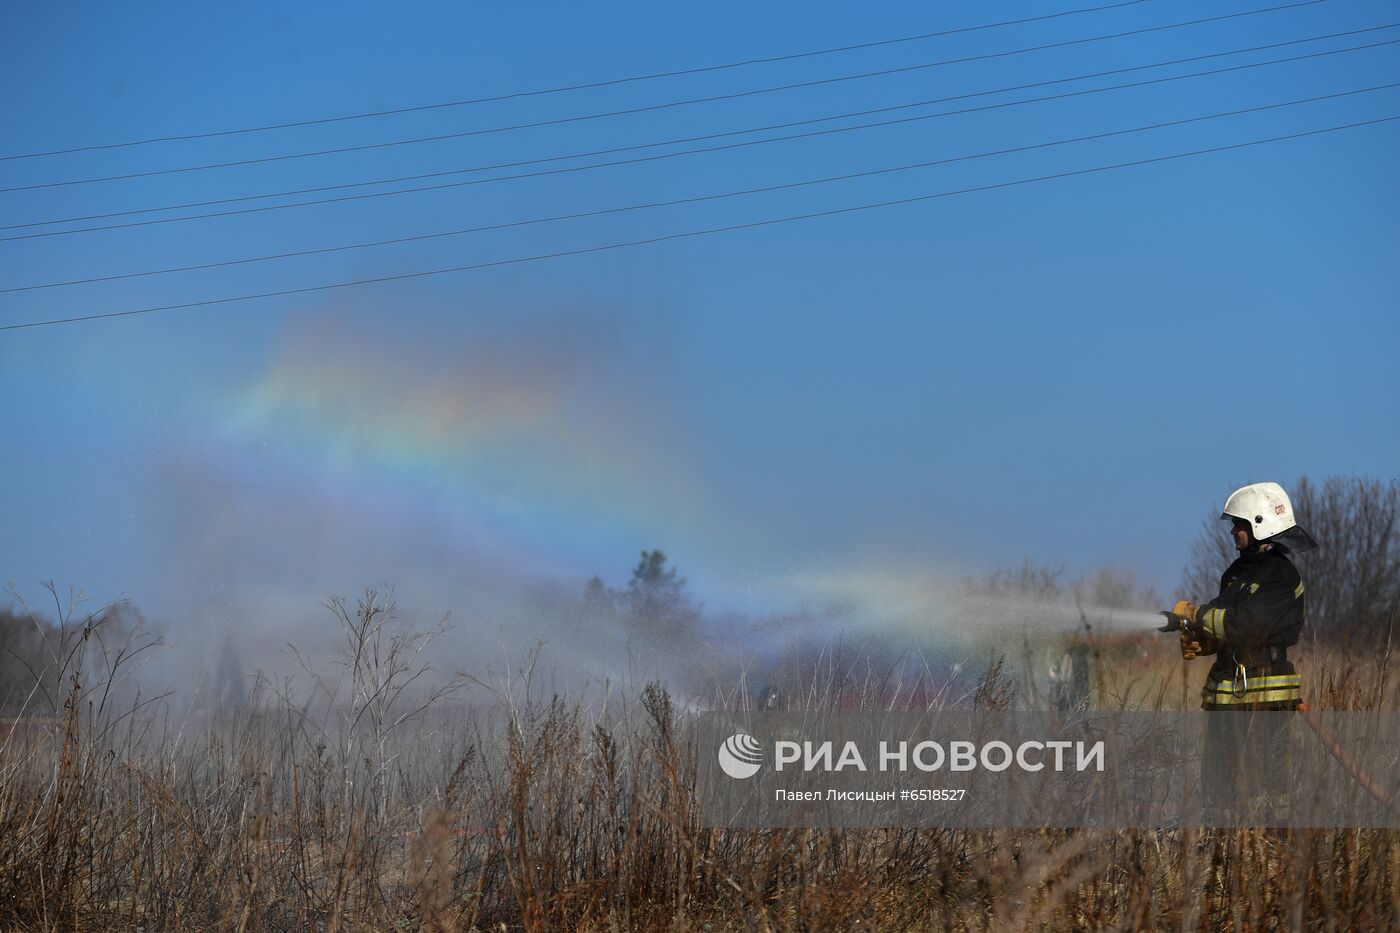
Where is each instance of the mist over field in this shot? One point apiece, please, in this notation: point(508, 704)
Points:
point(487, 482)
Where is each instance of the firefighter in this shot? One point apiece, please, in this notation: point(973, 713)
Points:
point(1248, 628)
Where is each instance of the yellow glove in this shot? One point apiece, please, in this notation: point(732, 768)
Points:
point(1190, 647)
point(1186, 610)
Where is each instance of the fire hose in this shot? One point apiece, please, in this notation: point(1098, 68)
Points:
point(1334, 748)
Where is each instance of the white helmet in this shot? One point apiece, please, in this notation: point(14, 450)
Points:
point(1264, 505)
point(1269, 512)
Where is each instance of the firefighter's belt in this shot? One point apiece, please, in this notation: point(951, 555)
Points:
point(1277, 688)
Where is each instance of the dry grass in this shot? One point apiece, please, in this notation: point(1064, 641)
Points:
point(526, 811)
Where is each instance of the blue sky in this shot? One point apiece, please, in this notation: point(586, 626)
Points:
point(1074, 371)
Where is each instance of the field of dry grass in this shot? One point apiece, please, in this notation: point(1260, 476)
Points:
point(383, 807)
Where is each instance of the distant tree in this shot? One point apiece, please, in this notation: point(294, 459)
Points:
point(39, 657)
point(1209, 555)
point(1352, 577)
point(230, 684)
point(27, 648)
point(595, 595)
point(1116, 588)
point(657, 599)
point(1029, 581)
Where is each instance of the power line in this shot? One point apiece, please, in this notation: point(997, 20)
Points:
point(703, 198)
point(832, 212)
point(575, 87)
point(666, 105)
point(720, 135)
point(698, 151)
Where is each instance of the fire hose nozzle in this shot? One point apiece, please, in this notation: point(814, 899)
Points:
point(1190, 647)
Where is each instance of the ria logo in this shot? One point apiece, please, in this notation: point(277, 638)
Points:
point(740, 756)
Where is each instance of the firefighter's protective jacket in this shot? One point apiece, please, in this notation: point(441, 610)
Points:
point(1258, 614)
